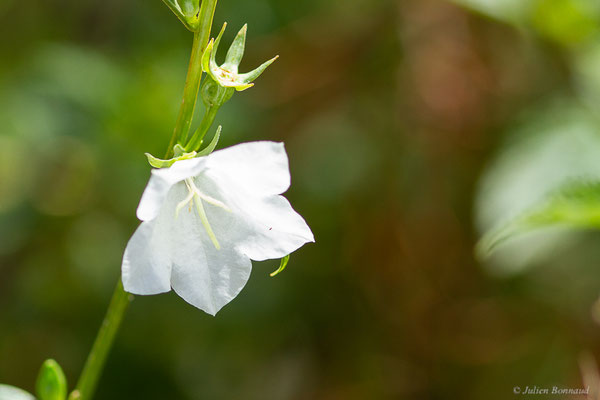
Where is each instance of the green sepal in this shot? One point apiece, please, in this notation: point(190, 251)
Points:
point(212, 145)
point(227, 74)
point(236, 51)
point(209, 54)
point(249, 77)
point(160, 163)
point(8, 392)
point(282, 264)
point(51, 382)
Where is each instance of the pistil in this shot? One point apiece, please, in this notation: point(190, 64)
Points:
point(196, 196)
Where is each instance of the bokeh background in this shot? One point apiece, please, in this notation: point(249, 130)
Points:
point(412, 126)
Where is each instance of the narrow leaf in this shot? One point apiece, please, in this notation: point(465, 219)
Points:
point(574, 205)
point(174, 6)
point(212, 145)
point(176, 9)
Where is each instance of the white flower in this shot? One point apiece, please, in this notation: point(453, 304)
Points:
point(204, 219)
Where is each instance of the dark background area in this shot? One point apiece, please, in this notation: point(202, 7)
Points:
point(393, 114)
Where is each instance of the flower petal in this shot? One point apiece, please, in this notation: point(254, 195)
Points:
point(256, 167)
point(146, 267)
point(211, 278)
point(203, 276)
point(262, 227)
point(176, 251)
point(274, 229)
point(161, 182)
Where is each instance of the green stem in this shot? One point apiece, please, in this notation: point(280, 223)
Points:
point(95, 362)
point(194, 75)
point(207, 121)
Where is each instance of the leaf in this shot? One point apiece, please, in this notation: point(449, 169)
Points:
point(575, 204)
point(14, 393)
point(211, 146)
point(282, 265)
point(51, 383)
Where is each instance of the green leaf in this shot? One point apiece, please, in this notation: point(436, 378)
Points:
point(282, 265)
point(576, 205)
point(189, 7)
point(211, 146)
point(51, 383)
point(14, 393)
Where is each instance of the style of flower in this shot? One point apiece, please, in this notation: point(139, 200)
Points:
point(204, 219)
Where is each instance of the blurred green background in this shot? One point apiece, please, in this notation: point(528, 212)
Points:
point(412, 126)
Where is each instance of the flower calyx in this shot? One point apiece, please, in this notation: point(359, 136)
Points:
point(213, 94)
point(179, 155)
point(226, 75)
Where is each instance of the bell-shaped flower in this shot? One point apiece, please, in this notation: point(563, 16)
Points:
point(204, 219)
point(227, 74)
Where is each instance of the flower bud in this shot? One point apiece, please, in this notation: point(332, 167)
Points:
point(51, 383)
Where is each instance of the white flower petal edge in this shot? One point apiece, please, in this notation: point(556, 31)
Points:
point(204, 219)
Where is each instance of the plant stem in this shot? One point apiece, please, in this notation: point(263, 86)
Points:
point(207, 121)
point(95, 362)
point(194, 75)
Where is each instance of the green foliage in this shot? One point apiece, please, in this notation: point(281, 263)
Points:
point(186, 11)
point(574, 205)
point(13, 393)
point(567, 22)
point(546, 146)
